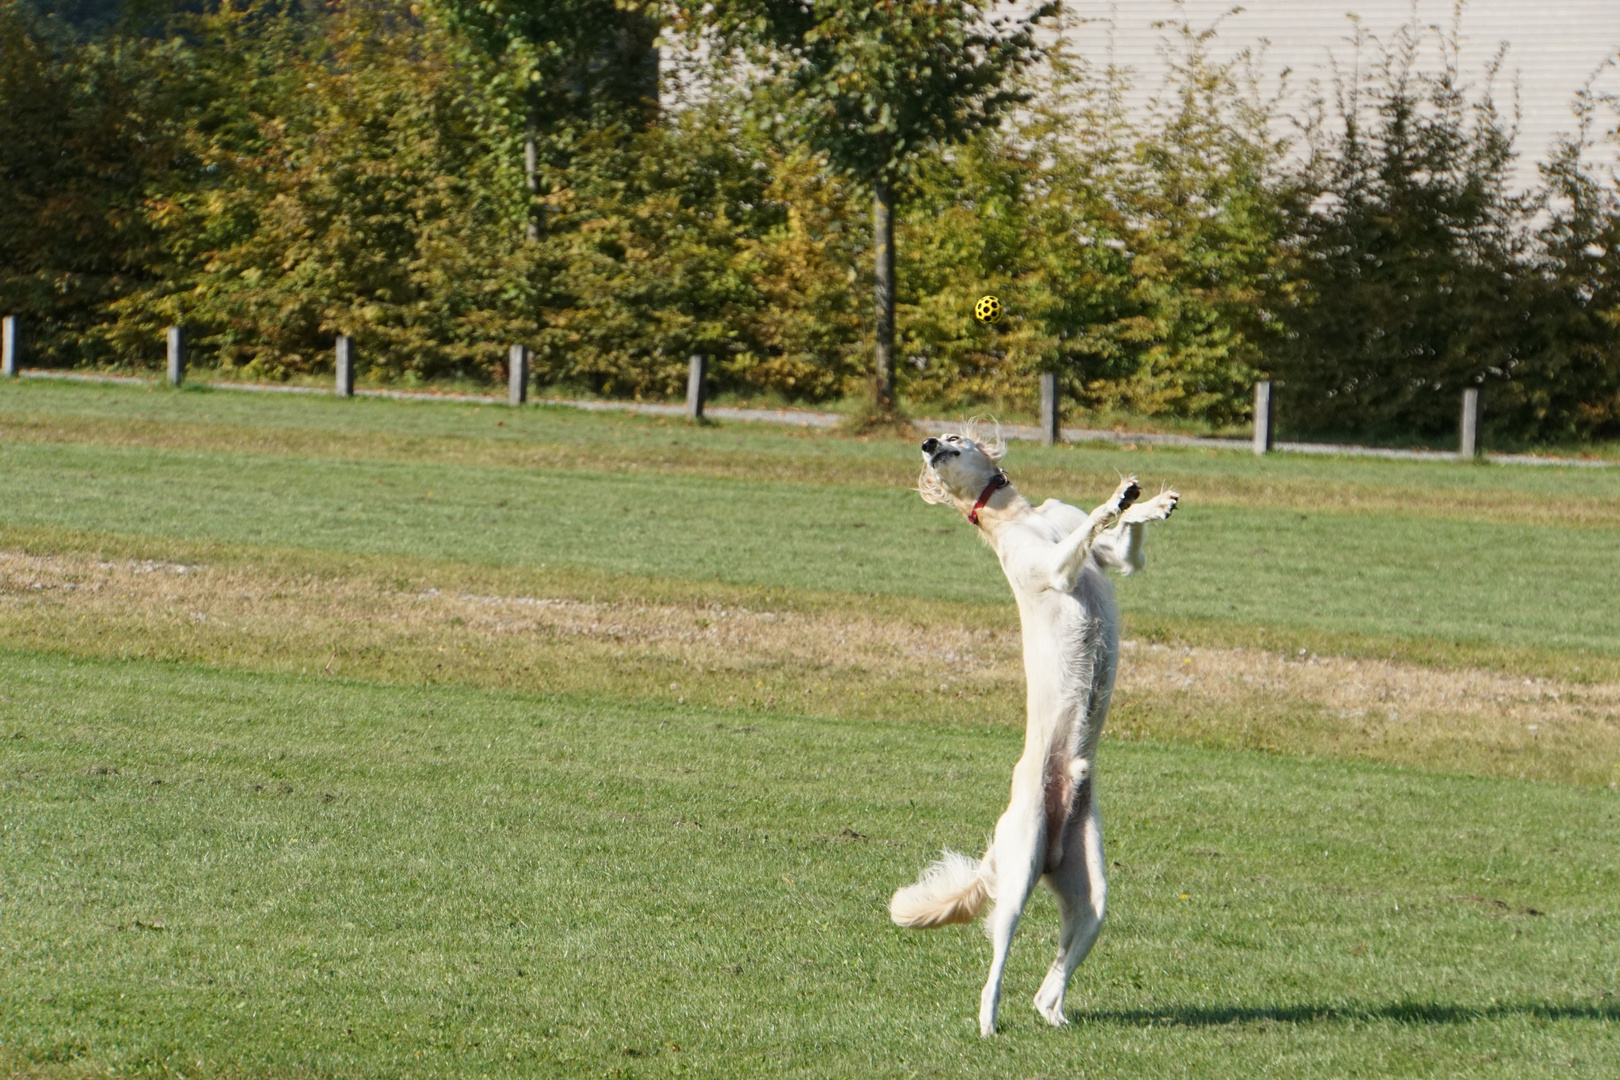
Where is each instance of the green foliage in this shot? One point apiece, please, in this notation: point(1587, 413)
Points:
point(870, 87)
point(693, 236)
point(873, 85)
point(652, 234)
point(569, 63)
point(445, 180)
point(1136, 258)
point(573, 58)
point(84, 131)
point(83, 15)
point(811, 328)
point(1208, 202)
point(1414, 275)
point(1573, 390)
point(368, 182)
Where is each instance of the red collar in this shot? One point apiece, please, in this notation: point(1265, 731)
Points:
point(997, 482)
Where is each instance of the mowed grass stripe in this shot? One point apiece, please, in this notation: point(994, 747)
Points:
point(213, 872)
point(566, 439)
point(29, 406)
point(1480, 584)
point(732, 531)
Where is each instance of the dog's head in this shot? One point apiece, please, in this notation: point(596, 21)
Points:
point(958, 465)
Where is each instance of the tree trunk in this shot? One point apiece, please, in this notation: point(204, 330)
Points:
point(883, 257)
point(531, 176)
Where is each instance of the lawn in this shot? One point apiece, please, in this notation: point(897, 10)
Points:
point(375, 738)
point(211, 871)
point(1470, 555)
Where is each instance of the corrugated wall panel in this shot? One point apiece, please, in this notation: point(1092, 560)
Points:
point(1554, 46)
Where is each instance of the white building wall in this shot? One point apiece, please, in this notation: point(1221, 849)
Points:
point(1554, 46)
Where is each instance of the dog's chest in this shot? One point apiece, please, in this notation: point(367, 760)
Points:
point(1055, 623)
point(1025, 550)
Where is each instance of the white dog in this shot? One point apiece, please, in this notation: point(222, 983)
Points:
point(1053, 556)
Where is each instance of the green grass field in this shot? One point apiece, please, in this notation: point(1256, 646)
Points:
point(373, 738)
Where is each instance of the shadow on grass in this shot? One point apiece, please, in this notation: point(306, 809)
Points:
point(1404, 1012)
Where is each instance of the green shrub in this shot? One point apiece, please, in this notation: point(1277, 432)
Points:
point(86, 132)
point(368, 181)
point(1413, 277)
point(1136, 257)
point(274, 176)
point(696, 235)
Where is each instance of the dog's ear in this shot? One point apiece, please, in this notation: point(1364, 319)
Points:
point(994, 448)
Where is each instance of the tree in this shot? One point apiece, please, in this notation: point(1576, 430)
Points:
point(1573, 388)
point(576, 59)
point(1139, 252)
point(1211, 208)
point(870, 85)
point(653, 230)
point(354, 174)
point(697, 235)
point(85, 130)
point(1414, 266)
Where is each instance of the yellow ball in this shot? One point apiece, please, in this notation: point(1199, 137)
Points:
point(987, 310)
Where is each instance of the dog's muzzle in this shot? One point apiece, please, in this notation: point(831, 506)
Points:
point(936, 449)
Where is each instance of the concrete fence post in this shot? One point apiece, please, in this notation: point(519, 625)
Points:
point(177, 355)
point(1468, 447)
point(695, 375)
point(1265, 415)
point(10, 347)
point(517, 375)
point(345, 366)
point(1051, 409)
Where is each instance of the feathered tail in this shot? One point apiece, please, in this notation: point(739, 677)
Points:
point(952, 890)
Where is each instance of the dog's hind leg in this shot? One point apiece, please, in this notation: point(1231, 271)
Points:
point(1020, 852)
point(1081, 886)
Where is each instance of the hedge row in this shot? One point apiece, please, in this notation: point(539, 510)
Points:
point(274, 176)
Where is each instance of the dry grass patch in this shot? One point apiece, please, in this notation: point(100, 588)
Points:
point(715, 652)
point(1466, 719)
point(876, 660)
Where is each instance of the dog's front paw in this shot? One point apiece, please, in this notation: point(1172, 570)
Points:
point(1157, 508)
point(1160, 507)
point(1126, 494)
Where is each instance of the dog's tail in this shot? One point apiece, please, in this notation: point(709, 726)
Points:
point(952, 890)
